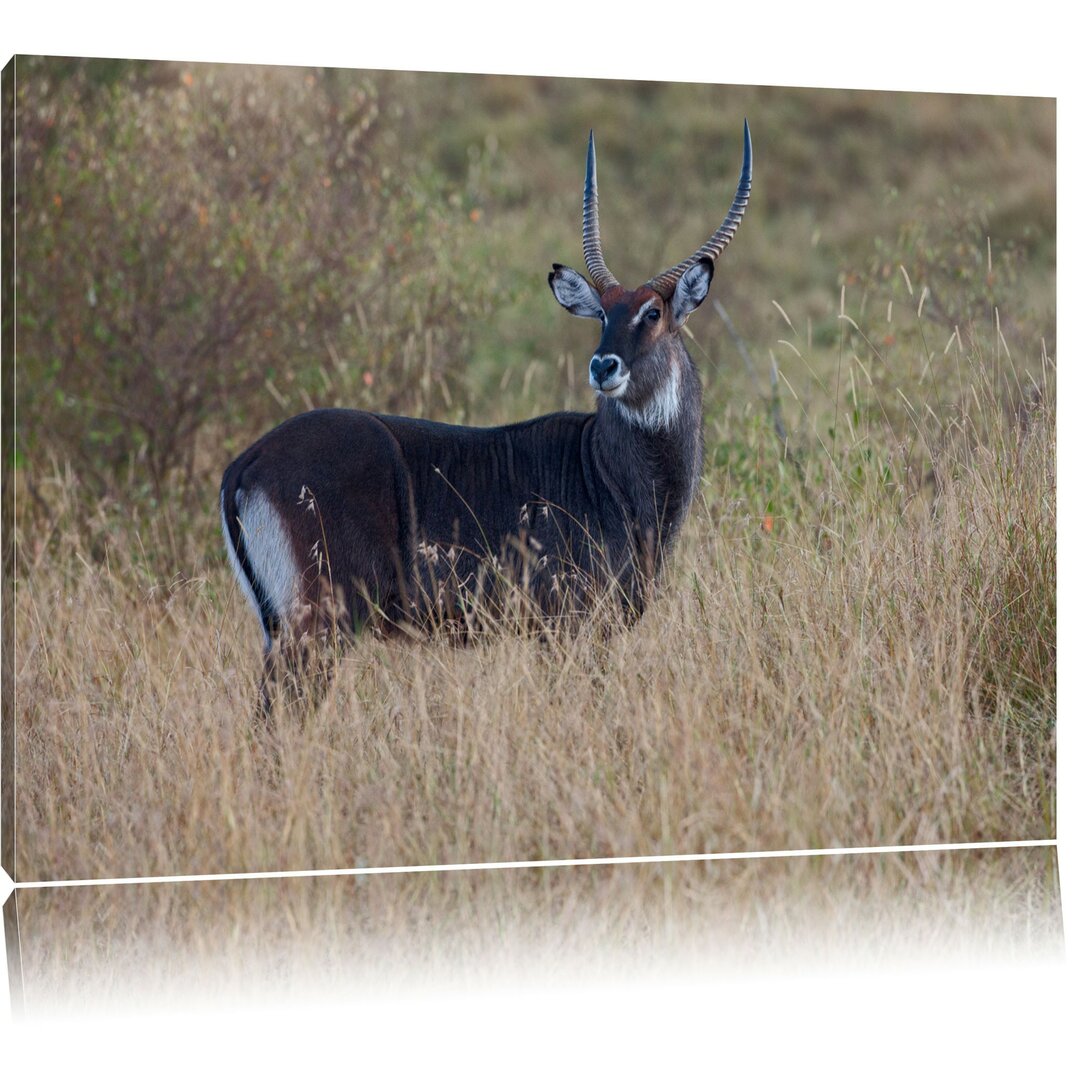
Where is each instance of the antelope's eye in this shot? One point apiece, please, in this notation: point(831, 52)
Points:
point(653, 314)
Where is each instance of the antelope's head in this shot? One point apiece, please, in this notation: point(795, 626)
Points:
point(639, 360)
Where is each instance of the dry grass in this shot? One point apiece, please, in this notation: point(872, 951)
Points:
point(878, 668)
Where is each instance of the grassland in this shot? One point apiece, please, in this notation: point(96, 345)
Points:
point(856, 639)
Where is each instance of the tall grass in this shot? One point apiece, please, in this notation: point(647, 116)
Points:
point(869, 661)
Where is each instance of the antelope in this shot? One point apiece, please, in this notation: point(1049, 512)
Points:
point(339, 519)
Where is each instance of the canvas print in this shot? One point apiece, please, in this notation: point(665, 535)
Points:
point(422, 469)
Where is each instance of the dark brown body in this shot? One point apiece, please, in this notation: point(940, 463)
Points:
point(406, 520)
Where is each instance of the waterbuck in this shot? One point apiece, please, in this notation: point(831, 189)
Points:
point(338, 519)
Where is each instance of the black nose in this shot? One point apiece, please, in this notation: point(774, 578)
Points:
point(602, 368)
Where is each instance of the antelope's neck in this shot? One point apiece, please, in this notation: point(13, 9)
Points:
point(651, 457)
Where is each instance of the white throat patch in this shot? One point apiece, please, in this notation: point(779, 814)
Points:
point(662, 409)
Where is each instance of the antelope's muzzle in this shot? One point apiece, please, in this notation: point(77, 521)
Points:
point(607, 373)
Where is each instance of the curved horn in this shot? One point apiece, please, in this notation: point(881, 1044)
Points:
point(665, 283)
point(602, 277)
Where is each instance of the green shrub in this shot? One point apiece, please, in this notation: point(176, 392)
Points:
point(210, 249)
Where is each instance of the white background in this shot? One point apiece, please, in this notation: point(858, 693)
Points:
point(995, 1021)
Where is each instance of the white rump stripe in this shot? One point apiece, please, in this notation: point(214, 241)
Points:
point(269, 553)
point(237, 569)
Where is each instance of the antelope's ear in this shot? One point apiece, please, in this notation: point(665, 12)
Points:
point(574, 292)
point(691, 290)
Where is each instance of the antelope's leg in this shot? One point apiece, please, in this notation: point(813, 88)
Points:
point(299, 664)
